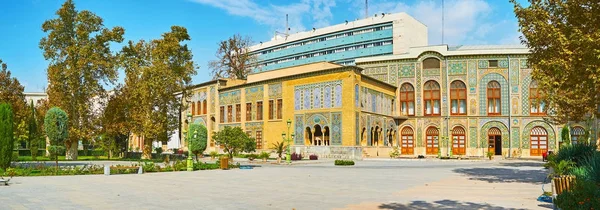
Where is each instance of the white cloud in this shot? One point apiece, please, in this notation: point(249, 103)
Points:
point(465, 21)
point(317, 12)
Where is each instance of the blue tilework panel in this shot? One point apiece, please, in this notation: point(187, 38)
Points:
point(457, 67)
point(336, 128)
point(483, 93)
point(472, 76)
point(473, 137)
point(358, 129)
point(318, 95)
point(299, 138)
point(407, 71)
point(515, 137)
point(525, 95)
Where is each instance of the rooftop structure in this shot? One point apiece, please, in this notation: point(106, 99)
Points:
point(384, 34)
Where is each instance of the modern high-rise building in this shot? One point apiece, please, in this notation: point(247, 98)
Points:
point(383, 34)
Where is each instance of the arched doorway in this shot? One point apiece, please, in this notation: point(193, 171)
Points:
point(363, 136)
point(458, 141)
point(407, 144)
point(308, 137)
point(391, 138)
point(495, 141)
point(538, 140)
point(326, 141)
point(376, 136)
point(318, 136)
point(432, 140)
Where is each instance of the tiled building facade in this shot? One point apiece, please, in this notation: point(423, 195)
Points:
point(467, 101)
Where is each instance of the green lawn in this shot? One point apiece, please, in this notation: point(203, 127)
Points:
point(81, 158)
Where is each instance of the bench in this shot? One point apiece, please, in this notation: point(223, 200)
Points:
point(4, 181)
point(108, 168)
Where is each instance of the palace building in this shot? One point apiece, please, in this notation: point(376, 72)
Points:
point(364, 102)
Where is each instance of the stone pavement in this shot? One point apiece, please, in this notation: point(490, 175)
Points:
point(369, 184)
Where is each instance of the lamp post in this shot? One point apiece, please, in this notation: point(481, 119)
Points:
point(190, 163)
point(287, 137)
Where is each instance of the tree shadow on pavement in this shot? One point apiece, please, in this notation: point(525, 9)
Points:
point(523, 164)
point(504, 175)
point(442, 204)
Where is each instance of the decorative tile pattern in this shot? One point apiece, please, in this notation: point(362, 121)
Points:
point(431, 72)
point(368, 131)
point(297, 99)
point(377, 102)
point(525, 95)
point(515, 137)
point(515, 105)
point(418, 85)
point(299, 138)
point(503, 63)
point(254, 94)
point(254, 126)
point(473, 105)
point(527, 131)
point(213, 104)
point(229, 97)
point(200, 120)
point(514, 75)
point(457, 67)
point(356, 96)
point(419, 131)
point(275, 91)
point(473, 137)
point(336, 128)
point(319, 95)
point(222, 126)
point(486, 127)
point(393, 72)
point(483, 93)
point(523, 63)
point(483, 64)
point(407, 70)
point(321, 119)
point(472, 76)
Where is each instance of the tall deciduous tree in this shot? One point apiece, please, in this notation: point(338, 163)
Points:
point(233, 58)
point(115, 123)
point(81, 62)
point(234, 141)
point(155, 71)
point(56, 125)
point(564, 38)
point(11, 92)
point(6, 135)
point(32, 128)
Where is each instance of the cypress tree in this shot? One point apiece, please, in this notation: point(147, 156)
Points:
point(6, 135)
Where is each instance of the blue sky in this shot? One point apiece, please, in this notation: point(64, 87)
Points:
point(466, 22)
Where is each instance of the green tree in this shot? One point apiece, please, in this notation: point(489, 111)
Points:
point(564, 38)
point(6, 135)
point(233, 60)
point(56, 124)
point(197, 137)
point(155, 71)
point(77, 47)
point(115, 123)
point(11, 92)
point(234, 141)
point(565, 133)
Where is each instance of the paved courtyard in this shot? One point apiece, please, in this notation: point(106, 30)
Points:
point(370, 184)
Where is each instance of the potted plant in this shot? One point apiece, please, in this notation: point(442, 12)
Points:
point(490, 155)
point(279, 148)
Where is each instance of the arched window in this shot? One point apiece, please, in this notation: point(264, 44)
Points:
point(458, 98)
point(535, 100)
point(458, 141)
point(391, 137)
point(431, 63)
point(539, 141)
point(363, 137)
point(376, 135)
point(432, 140)
point(576, 134)
point(407, 145)
point(407, 99)
point(493, 96)
point(431, 97)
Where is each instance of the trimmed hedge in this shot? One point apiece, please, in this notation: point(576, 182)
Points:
point(344, 162)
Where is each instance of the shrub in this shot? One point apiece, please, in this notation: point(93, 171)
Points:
point(313, 157)
point(574, 152)
point(206, 166)
point(251, 156)
point(158, 150)
point(264, 155)
point(344, 162)
point(395, 153)
point(15, 156)
point(197, 136)
point(149, 167)
point(296, 156)
point(214, 154)
point(6, 135)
